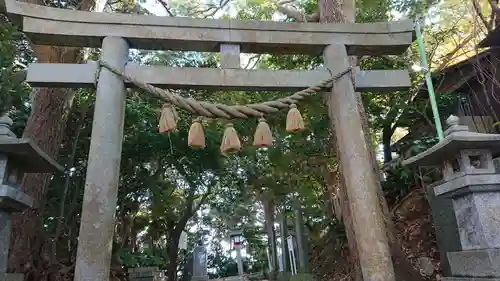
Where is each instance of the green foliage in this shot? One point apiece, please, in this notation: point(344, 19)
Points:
point(14, 92)
point(167, 187)
point(399, 178)
point(412, 8)
point(145, 258)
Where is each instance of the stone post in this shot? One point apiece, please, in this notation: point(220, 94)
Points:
point(5, 215)
point(101, 184)
point(445, 225)
point(17, 157)
point(303, 255)
point(143, 273)
point(229, 56)
point(361, 182)
point(472, 185)
point(273, 251)
point(200, 272)
point(239, 260)
point(284, 244)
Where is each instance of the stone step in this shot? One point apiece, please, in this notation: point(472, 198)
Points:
point(232, 278)
point(479, 263)
point(469, 279)
point(143, 269)
point(11, 277)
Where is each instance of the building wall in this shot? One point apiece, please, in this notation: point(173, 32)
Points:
point(478, 100)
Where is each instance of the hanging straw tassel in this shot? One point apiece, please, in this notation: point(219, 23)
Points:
point(230, 141)
point(167, 119)
point(263, 136)
point(294, 121)
point(196, 136)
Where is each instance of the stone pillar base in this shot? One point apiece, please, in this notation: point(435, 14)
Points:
point(477, 263)
point(11, 277)
point(199, 278)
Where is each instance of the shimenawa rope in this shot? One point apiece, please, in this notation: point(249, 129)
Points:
point(218, 110)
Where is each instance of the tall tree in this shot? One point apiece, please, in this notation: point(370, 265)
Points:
point(335, 11)
point(46, 124)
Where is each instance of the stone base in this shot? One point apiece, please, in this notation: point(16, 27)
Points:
point(475, 263)
point(144, 274)
point(446, 227)
point(477, 218)
point(469, 279)
point(149, 278)
point(11, 277)
point(199, 278)
point(13, 199)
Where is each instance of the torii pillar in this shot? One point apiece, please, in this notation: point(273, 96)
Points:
point(361, 183)
point(95, 241)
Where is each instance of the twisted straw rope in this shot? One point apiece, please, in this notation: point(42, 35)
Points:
point(218, 110)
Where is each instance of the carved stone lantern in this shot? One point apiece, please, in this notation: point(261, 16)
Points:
point(17, 157)
point(472, 186)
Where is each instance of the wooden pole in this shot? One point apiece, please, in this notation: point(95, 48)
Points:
point(95, 241)
point(361, 183)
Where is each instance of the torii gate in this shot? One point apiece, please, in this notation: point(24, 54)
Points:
point(116, 33)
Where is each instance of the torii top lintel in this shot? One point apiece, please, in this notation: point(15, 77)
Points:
point(60, 27)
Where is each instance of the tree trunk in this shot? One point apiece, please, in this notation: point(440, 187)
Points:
point(173, 255)
point(45, 126)
point(50, 108)
point(271, 234)
point(386, 142)
point(330, 11)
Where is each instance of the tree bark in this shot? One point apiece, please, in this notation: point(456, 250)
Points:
point(386, 142)
point(46, 125)
point(269, 209)
point(173, 255)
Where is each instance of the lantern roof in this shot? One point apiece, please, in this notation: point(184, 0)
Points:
point(25, 152)
point(457, 138)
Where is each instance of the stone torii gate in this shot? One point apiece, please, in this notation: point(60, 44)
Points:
point(117, 33)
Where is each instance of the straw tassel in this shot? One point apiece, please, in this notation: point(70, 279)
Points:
point(294, 121)
point(196, 136)
point(167, 119)
point(230, 141)
point(263, 136)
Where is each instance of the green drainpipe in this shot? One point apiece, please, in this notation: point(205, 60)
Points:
point(428, 80)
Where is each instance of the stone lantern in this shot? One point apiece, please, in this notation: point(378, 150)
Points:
point(17, 157)
point(473, 189)
point(200, 270)
point(236, 238)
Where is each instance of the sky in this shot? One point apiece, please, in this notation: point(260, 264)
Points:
point(156, 8)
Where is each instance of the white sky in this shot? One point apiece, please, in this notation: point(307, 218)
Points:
point(156, 8)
